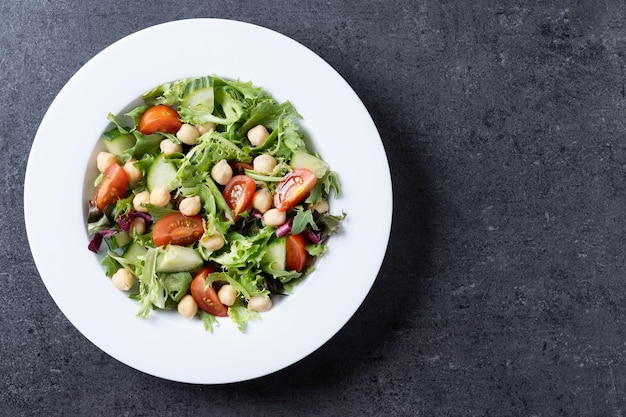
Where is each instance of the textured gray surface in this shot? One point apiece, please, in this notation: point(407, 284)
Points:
point(502, 292)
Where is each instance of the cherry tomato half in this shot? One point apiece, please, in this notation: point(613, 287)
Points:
point(159, 118)
point(111, 188)
point(239, 192)
point(205, 295)
point(296, 255)
point(177, 229)
point(293, 188)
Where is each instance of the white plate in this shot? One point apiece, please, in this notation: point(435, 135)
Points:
point(165, 344)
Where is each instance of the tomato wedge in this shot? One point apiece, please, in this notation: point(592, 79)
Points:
point(293, 188)
point(239, 192)
point(296, 255)
point(205, 295)
point(111, 188)
point(177, 229)
point(159, 118)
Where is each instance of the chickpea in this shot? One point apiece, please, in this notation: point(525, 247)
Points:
point(190, 206)
point(264, 164)
point(321, 206)
point(160, 196)
point(123, 279)
point(221, 172)
point(212, 242)
point(187, 306)
point(134, 173)
point(207, 127)
point(227, 295)
point(140, 199)
point(188, 134)
point(274, 217)
point(105, 160)
point(168, 147)
point(257, 135)
point(138, 225)
point(260, 304)
point(262, 200)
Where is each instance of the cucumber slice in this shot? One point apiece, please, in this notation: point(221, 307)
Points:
point(122, 239)
point(199, 93)
point(204, 97)
point(178, 259)
point(133, 252)
point(274, 258)
point(116, 142)
point(162, 173)
point(118, 240)
point(302, 159)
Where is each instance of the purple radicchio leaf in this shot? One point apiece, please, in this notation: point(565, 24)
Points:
point(256, 213)
point(284, 228)
point(96, 240)
point(312, 235)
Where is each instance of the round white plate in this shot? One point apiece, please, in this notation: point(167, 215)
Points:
point(165, 344)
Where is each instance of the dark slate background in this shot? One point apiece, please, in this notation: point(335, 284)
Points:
point(502, 292)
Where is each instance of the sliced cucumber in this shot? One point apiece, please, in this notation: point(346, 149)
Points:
point(162, 173)
point(204, 97)
point(199, 83)
point(122, 239)
point(274, 258)
point(178, 259)
point(133, 252)
point(116, 142)
point(302, 159)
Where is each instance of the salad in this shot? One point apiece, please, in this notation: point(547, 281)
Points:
point(209, 201)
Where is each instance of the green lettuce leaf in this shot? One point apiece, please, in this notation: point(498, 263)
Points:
point(152, 293)
point(268, 113)
point(176, 284)
point(240, 314)
point(301, 220)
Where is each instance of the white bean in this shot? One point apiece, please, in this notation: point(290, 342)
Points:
point(134, 173)
point(257, 135)
point(168, 147)
point(123, 279)
point(227, 295)
point(262, 200)
point(188, 134)
point(274, 217)
point(264, 164)
point(222, 172)
point(213, 242)
point(105, 160)
point(321, 206)
point(207, 127)
point(160, 196)
point(187, 306)
point(190, 206)
point(138, 225)
point(260, 304)
point(140, 199)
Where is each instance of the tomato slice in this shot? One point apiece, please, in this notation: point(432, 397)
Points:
point(293, 188)
point(296, 255)
point(205, 295)
point(111, 188)
point(239, 192)
point(159, 118)
point(177, 229)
